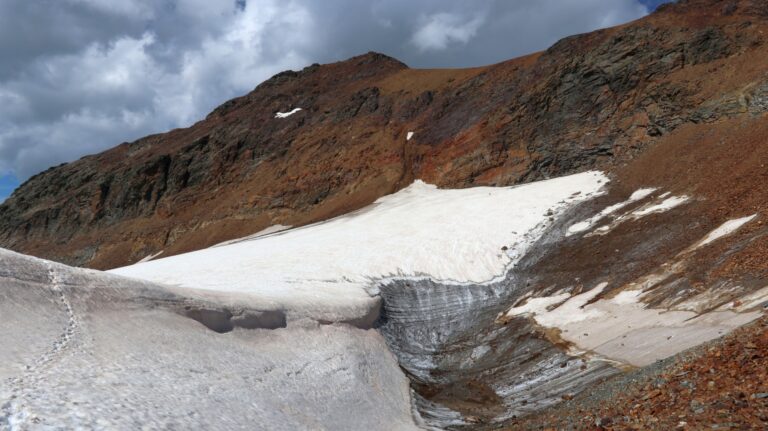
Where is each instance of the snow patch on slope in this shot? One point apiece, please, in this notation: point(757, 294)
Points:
point(287, 114)
point(661, 204)
point(665, 205)
point(588, 223)
point(623, 328)
point(726, 228)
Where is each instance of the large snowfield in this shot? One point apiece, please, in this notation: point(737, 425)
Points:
point(469, 235)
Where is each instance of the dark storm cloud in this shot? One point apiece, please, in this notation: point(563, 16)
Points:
point(458, 33)
point(79, 76)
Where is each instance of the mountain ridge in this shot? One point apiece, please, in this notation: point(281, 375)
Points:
point(596, 100)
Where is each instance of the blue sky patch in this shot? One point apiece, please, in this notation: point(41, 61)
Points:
point(653, 4)
point(8, 184)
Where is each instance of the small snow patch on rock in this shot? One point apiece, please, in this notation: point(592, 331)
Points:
point(287, 114)
point(587, 224)
point(666, 205)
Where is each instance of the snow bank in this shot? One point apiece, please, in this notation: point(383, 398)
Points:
point(287, 114)
point(448, 235)
point(87, 350)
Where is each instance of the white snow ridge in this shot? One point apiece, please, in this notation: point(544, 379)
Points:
point(726, 229)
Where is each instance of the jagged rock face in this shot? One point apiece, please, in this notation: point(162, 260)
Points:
point(594, 100)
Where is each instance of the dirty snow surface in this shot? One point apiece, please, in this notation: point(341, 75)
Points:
point(88, 350)
point(469, 235)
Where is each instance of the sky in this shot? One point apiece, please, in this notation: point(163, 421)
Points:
point(81, 76)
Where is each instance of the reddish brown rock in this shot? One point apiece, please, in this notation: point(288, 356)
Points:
point(591, 101)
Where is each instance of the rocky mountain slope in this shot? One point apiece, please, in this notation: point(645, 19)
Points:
point(590, 101)
point(479, 308)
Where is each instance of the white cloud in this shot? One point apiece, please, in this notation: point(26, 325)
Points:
point(441, 29)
